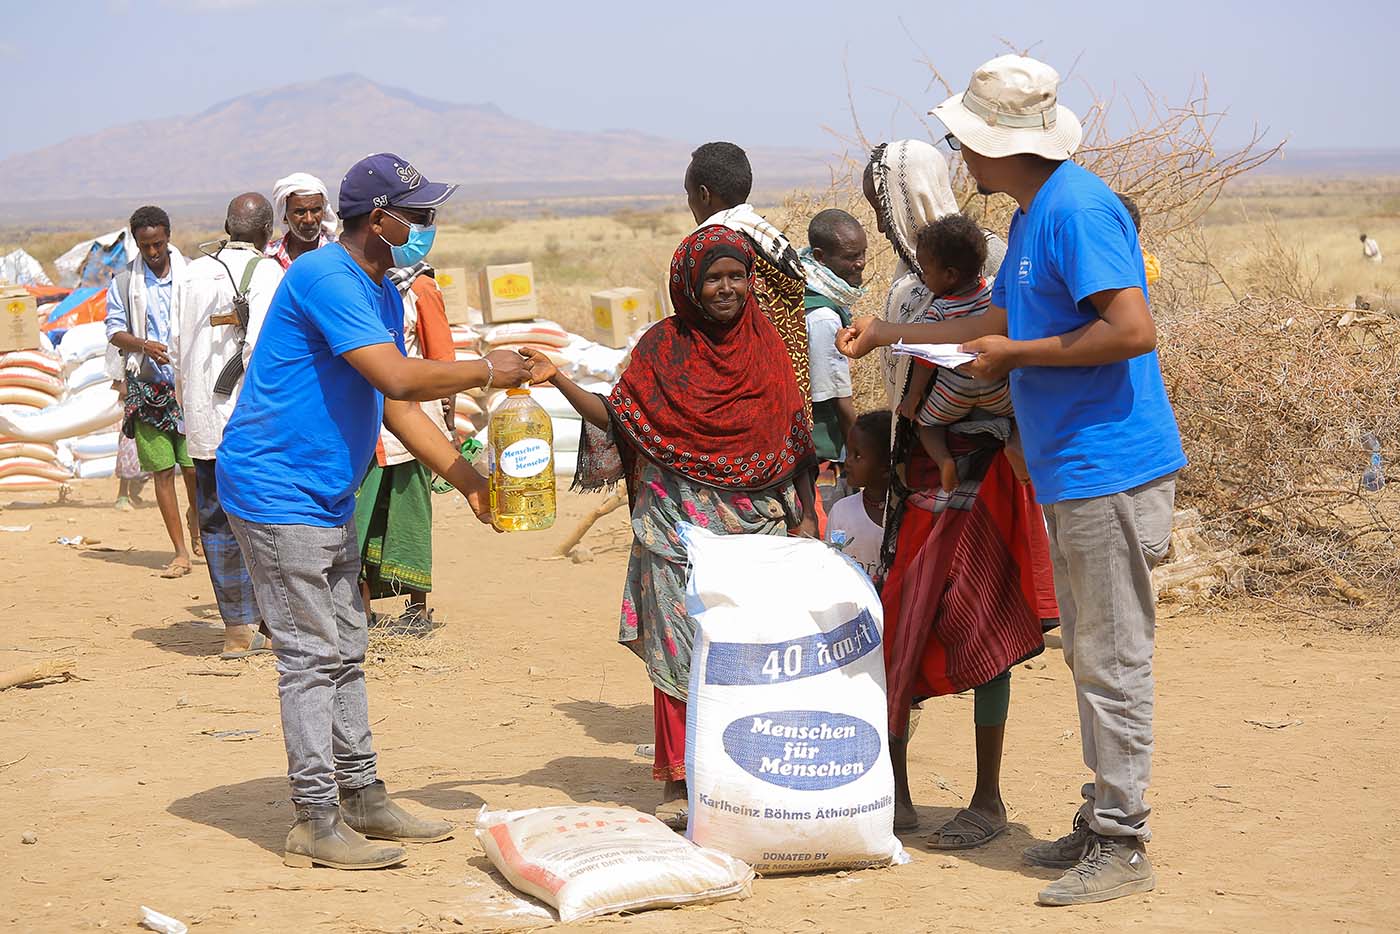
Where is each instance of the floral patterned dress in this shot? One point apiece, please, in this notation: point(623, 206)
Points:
point(655, 624)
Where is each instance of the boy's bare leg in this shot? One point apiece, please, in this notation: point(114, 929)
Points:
point(192, 514)
point(169, 505)
point(935, 441)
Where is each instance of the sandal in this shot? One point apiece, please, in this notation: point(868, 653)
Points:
point(196, 544)
point(674, 814)
point(173, 570)
point(966, 830)
point(261, 646)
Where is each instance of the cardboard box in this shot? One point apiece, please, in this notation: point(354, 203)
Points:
point(508, 293)
point(618, 313)
point(453, 282)
point(19, 320)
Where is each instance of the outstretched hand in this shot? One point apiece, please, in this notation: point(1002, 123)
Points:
point(542, 369)
point(863, 336)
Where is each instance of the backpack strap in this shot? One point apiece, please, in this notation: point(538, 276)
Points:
point(247, 281)
point(232, 372)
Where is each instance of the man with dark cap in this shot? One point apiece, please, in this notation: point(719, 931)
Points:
point(330, 369)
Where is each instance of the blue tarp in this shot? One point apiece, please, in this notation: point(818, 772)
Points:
point(77, 297)
point(103, 263)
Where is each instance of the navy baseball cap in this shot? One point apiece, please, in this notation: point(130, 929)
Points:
point(384, 180)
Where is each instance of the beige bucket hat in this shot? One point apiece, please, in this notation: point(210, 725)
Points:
point(1010, 108)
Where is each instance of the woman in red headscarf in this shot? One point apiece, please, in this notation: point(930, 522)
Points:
point(706, 426)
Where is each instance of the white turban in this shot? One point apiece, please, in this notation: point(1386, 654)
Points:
point(302, 183)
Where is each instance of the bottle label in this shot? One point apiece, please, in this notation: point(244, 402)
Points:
point(525, 458)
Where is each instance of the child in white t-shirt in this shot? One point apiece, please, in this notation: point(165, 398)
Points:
point(856, 524)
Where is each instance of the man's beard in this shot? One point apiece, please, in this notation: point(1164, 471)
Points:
point(315, 234)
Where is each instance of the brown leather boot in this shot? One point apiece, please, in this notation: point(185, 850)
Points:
point(320, 837)
point(370, 811)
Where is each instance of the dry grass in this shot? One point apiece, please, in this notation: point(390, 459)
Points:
point(573, 256)
point(1247, 233)
point(391, 655)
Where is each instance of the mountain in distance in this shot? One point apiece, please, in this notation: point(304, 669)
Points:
point(324, 126)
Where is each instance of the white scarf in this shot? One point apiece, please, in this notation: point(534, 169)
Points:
point(912, 188)
point(138, 302)
point(909, 298)
point(824, 282)
point(770, 241)
point(303, 183)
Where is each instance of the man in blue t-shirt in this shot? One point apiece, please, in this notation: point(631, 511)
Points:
point(1070, 325)
point(329, 369)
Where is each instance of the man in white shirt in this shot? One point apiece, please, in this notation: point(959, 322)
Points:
point(1370, 248)
point(208, 343)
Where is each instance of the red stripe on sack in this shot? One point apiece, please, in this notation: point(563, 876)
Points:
point(530, 872)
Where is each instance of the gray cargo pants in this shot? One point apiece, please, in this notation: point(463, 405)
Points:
point(1103, 551)
point(306, 580)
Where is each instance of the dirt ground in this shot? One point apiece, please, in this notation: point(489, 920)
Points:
point(1274, 795)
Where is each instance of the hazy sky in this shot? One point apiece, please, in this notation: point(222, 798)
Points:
point(1322, 74)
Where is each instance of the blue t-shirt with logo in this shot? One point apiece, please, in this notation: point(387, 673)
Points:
point(1089, 430)
point(306, 424)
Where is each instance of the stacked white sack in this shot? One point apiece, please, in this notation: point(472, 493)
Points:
point(29, 384)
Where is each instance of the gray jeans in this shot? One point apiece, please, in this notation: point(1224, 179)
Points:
point(1103, 551)
point(306, 579)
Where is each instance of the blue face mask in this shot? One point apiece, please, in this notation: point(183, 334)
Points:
point(416, 247)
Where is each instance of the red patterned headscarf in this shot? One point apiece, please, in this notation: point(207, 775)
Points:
point(714, 401)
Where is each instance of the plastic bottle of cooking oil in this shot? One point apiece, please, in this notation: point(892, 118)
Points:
point(522, 464)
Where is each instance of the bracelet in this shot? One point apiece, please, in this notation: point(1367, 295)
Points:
point(490, 372)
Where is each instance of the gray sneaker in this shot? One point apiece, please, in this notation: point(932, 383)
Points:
point(1064, 852)
point(1113, 867)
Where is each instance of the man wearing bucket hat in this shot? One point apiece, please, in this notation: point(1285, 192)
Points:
point(1070, 323)
point(328, 371)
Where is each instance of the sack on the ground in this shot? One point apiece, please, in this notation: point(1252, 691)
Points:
point(589, 861)
point(787, 760)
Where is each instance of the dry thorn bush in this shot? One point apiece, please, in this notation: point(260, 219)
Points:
point(1274, 397)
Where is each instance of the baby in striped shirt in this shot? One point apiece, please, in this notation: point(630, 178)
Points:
point(951, 253)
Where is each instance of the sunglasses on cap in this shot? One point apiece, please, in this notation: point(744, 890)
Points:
point(952, 142)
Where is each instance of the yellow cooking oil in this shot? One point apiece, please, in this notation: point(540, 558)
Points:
point(522, 464)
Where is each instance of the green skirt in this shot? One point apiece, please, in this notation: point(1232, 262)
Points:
point(394, 521)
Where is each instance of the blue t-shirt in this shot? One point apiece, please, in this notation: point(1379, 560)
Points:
point(306, 424)
point(1091, 430)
